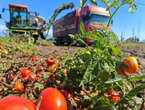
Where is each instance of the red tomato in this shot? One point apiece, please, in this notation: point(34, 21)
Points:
point(65, 72)
point(124, 70)
point(16, 103)
point(51, 60)
point(1, 47)
point(11, 76)
point(34, 59)
point(25, 72)
point(112, 92)
point(32, 77)
point(80, 107)
point(114, 95)
point(114, 98)
point(52, 68)
point(19, 86)
point(69, 95)
point(52, 99)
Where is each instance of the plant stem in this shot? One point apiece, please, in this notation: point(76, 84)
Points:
point(114, 14)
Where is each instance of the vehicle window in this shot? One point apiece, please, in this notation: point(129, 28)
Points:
point(23, 15)
point(98, 19)
point(15, 14)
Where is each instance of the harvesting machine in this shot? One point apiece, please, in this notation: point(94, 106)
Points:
point(24, 22)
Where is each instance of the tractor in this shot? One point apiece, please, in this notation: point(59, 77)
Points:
point(24, 22)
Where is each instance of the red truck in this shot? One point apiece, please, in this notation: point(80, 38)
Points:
point(91, 16)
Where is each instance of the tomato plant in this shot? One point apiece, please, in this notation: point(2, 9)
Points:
point(97, 69)
point(95, 78)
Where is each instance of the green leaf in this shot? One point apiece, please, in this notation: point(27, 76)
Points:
point(135, 91)
point(111, 34)
point(116, 51)
point(86, 97)
point(82, 29)
point(115, 3)
point(132, 8)
point(108, 0)
point(101, 0)
point(119, 78)
point(134, 79)
point(82, 3)
point(45, 75)
point(40, 86)
point(93, 1)
point(88, 73)
point(72, 36)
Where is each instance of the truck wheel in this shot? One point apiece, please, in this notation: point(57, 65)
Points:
point(59, 41)
point(69, 41)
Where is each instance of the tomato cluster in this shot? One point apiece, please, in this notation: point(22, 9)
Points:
point(34, 76)
point(49, 99)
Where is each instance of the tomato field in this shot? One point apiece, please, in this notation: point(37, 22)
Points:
point(27, 69)
point(106, 75)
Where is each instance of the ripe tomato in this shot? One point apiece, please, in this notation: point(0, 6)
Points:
point(11, 76)
point(16, 103)
point(1, 47)
point(34, 59)
point(65, 72)
point(80, 107)
point(32, 77)
point(52, 99)
point(132, 65)
point(51, 60)
point(25, 72)
point(124, 70)
point(51, 68)
point(114, 98)
point(114, 95)
point(19, 86)
point(112, 92)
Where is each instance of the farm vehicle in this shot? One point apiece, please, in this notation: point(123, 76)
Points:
point(24, 22)
point(90, 16)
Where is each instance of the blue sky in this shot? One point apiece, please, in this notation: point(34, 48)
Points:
point(124, 21)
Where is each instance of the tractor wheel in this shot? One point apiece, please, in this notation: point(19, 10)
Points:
point(42, 35)
point(36, 37)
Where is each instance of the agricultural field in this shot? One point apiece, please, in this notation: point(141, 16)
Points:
point(89, 70)
point(26, 69)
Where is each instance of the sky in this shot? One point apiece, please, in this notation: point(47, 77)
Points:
point(123, 22)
